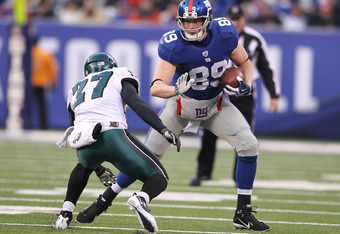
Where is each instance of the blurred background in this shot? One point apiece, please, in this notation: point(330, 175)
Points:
point(303, 37)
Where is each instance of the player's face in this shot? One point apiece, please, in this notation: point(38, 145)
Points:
point(193, 24)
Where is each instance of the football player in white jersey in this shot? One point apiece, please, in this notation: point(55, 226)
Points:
point(193, 58)
point(97, 110)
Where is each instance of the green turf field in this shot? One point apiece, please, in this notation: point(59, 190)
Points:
point(294, 193)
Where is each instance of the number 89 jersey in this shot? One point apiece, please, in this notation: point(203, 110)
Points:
point(205, 61)
point(97, 98)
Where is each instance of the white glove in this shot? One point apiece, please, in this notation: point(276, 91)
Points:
point(182, 85)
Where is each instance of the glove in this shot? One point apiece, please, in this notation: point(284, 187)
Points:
point(107, 177)
point(242, 90)
point(182, 85)
point(172, 138)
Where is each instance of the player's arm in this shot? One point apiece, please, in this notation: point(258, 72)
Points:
point(144, 110)
point(160, 85)
point(240, 57)
point(139, 106)
point(71, 115)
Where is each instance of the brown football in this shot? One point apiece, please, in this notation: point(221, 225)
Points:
point(229, 77)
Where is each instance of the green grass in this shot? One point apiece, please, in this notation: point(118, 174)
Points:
point(36, 174)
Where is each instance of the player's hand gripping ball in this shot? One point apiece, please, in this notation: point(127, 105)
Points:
point(229, 77)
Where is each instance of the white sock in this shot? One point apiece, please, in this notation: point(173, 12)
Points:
point(116, 188)
point(68, 206)
point(145, 196)
point(244, 191)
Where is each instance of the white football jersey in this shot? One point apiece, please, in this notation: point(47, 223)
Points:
point(97, 98)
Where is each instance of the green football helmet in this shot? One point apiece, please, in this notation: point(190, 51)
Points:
point(99, 61)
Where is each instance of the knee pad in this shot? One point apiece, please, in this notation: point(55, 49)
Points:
point(247, 144)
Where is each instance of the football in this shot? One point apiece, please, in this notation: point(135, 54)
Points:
point(229, 77)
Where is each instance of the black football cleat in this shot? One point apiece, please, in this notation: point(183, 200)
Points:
point(244, 219)
point(91, 212)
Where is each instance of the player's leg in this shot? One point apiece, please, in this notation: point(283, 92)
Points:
point(206, 158)
point(131, 157)
point(155, 141)
point(76, 184)
point(246, 106)
point(230, 125)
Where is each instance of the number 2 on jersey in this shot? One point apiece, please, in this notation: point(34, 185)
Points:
point(102, 78)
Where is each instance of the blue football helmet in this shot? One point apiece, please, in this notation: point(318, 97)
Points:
point(191, 10)
point(99, 61)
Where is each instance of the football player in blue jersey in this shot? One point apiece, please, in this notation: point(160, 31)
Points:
point(193, 59)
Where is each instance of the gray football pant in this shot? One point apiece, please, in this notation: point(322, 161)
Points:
point(228, 124)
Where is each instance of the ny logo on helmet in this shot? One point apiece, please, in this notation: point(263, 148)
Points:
point(207, 4)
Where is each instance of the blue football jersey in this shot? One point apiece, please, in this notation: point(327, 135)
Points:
point(205, 61)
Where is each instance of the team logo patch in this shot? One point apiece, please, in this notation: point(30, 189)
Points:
point(201, 112)
point(205, 53)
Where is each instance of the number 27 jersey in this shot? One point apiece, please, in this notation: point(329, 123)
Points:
point(205, 61)
point(97, 98)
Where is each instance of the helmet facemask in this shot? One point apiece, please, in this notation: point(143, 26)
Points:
point(97, 67)
point(200, 32)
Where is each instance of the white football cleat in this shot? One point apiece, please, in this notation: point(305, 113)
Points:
point(63, 221)
point(138, 205)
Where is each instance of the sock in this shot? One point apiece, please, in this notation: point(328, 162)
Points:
point(243, 200)
point(145, 196)
point(245, 172)
point(116, 188)
point(124, 181)
point(77, 182)
point(154, 185)
point(109, 195)
point(68, 206)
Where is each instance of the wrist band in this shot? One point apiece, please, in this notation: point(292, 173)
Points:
point(155, 81)
point(243, 62)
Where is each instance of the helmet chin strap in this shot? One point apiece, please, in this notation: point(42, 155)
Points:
point(195, 37)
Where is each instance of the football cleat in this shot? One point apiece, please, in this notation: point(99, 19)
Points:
point(244, 219)
point(197, 180)
point(89, 213)
point(63, 221)
point(138, 205)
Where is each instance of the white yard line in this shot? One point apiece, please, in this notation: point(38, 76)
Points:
point(110, 228)
point(298, 146)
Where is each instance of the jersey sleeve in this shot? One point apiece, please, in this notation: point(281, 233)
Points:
point(69, 100)
point(163, 51)
point(227, 29)
point(168, 44)
point(125, 73)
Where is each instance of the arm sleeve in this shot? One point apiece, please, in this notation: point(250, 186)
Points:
point(267, 74)
point(137, 104)
point(71, 115)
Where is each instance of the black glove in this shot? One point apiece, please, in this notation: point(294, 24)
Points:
point(171, 138)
